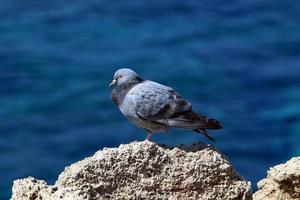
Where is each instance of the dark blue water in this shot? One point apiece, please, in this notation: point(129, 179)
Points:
point(236, 61)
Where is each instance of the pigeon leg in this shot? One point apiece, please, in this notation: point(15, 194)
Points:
point(204, 132)
point(149, 136)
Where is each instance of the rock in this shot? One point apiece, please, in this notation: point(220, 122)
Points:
point(282, 182)
point(143, 170)
point(30, 188)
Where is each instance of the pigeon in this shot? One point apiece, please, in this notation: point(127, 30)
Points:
point(155, 107)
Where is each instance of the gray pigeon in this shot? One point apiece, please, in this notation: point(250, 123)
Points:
point(155, 107)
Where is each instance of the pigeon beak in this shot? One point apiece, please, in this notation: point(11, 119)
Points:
point(112, 83)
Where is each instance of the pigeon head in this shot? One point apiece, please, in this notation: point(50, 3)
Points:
point(125, 76)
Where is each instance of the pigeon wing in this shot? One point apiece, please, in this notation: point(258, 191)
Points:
point(161, 104)
point(156, 102)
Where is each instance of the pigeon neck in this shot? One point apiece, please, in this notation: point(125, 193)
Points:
point(119, 92)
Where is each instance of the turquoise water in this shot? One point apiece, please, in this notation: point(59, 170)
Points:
point(238, 62)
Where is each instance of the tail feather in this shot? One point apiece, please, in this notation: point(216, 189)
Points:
point(197, 123)
point(213, 124)
point(192, 120)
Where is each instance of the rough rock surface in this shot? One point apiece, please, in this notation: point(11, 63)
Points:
point(30, 188)
point(143, 170)
point(282, 183)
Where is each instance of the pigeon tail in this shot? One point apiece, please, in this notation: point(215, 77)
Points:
point(191, 120)
point(213, 124)
point(194, 121)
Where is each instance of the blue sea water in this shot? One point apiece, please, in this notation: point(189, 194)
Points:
point(236, 61)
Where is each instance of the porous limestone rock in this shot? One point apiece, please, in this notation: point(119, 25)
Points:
point(282, 182)
point(143, 170)
point(30, 188)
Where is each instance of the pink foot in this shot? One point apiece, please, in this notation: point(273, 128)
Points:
point(149, 136)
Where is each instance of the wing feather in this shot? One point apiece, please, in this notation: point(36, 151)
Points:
point(153, 101)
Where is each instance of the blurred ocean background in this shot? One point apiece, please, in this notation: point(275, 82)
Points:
point(237, 61)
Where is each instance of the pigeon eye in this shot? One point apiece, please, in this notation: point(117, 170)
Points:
point(120, 76)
